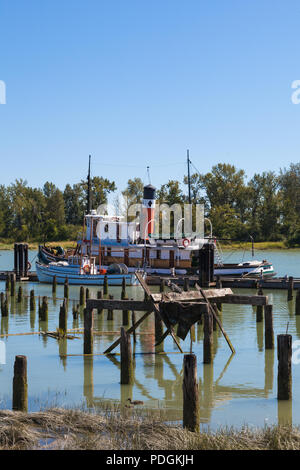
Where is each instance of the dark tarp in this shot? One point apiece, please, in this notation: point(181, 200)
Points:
point(184, 314)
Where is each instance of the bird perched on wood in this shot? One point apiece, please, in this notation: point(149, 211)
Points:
point(135, 402)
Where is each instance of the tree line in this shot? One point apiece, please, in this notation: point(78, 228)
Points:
point(266, 207)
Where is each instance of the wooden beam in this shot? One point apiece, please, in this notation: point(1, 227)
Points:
point(138, 305)
point(193, 295)
point(244, 299)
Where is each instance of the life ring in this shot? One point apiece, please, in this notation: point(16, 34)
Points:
point(87, 269)
point(186, 242)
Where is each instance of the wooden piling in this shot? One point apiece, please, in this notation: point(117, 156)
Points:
point(190, 393)
point(259, 308)
point(290, 288)
point(54, 284)
point(297, 303)
point(133, 325)
point(284, 378)
point(126, 358)
point(4, 307)
point(44, 309)
point(162, 285)
point(81, 296)
point(63, 317)
point(269, 332)
point(105, 285)
point(159, 330)
point(123, 292)
point(87, 293)
point(32, 300)
point(208, 337)
point(7, 283)
point(125, 315)
point(88, 331)
point(186, 284)
point(12, 284)
point(20, 388)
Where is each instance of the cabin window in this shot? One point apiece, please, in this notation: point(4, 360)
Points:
point(157, 254)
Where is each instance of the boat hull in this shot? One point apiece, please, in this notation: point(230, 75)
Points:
point(46, 273)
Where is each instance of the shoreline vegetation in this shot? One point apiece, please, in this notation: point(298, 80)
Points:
point(126, 429)
point(7, 244)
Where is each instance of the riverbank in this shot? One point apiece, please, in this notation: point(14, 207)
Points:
point(9, 245)
point(60, 429)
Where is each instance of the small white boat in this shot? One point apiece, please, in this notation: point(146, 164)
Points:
point(247, 269)
point(87, 274)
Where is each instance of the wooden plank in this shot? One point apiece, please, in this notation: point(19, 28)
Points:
point(193, 295)
point(244, 299)
point(138, 305)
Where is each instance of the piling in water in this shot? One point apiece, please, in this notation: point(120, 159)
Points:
point(88, 331)
point(186, 284)
point(159, 331)
point(190, 393)
point(284, 378)
point(20, 397)
point(32, 300)
point(99, 297)
point(4, 307)
point(125, 315)
point(7, 283)
point(105, 285)
point(126, 358)
point(297, 303)
point(208, 337)
point(54, 284)
point(269, 332)
point(162, 285)
point(19, 298)
point(81, 296)
point(87, 293)
point(63, 316)
point(12, 284)
point(290, 288)
point(44, 309)
point(259, 308)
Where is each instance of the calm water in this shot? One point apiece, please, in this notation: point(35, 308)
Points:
point(235, 390)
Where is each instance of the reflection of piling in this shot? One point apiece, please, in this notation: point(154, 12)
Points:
point(110, 312)
point(19, 298)
point(4, 306)
point(126, 358)
point(133, 324)
point(159, 331)
point(190, 393)
point(99, 297)
point(208, 337)
point(88, 331)
point(20, 398)
point(290, 288)
point(284, 379)
point(269, 332)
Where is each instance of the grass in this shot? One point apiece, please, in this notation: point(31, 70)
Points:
point(257, 246)
point(127, 429)
point(9, 245)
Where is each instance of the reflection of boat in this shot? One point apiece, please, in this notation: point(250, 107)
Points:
point(86, 274)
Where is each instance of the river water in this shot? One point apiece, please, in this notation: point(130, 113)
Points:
point(234, 391)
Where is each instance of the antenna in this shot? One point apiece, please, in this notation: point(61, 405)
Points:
point(148, 173)
point(89, 187)
point(189, 177)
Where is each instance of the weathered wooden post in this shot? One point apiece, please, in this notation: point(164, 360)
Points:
point(32, 300)
point(7, 283)
point(297, 303)
point(20, 393)
point(208, 337)
point(81, 296)
point(133, 324)
point(44, 309)
point(54, 284)
point(66, 288)
point(12, 284)
point(259, 308)
point(186, 284)
point(125, 313)
point(63, 317)
point(190, 393)
point(123, 292)
point(88, 331)
point(126, 358)
point(105, 285)
point(269, 332)
point(4, 307)
point(290, 288)
point(87, 293)
point(162, 285)
point(19, 298)
point(284, 378)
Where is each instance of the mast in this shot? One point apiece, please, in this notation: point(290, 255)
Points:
point(89, 188)
point(189, 176)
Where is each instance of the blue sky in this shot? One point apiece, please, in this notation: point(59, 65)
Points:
point(137, 83)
